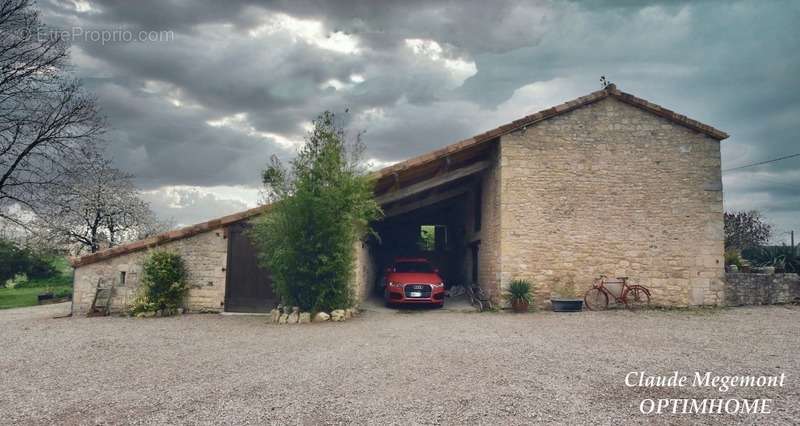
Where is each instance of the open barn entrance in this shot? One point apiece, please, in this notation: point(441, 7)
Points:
point(434, 232)
point(434, 212)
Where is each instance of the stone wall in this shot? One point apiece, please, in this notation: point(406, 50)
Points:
point(611, 189)
point(365, 272)
point(761, 289)
point(205, 256)
point(489, 267)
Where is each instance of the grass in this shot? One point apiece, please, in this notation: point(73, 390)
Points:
point(26, 296)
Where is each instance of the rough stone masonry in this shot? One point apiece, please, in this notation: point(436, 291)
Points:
point(612, 189)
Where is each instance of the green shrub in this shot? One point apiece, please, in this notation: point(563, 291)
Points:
point(18, 281)
point(732, 258)
point(62, 292)
point(16, 260)
point(520, 290)
point(323, 208)
point(163, 284)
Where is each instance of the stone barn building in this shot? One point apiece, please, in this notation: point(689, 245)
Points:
point(604, 184)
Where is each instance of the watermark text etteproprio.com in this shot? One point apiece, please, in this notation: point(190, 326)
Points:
point(722, 384)
point(101, 36)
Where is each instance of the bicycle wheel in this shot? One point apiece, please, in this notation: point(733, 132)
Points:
point(637, 297)
point(595, 299)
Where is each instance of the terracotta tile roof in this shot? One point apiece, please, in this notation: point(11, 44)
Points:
point(425, 159)
point(611, 90)
point(168, 236)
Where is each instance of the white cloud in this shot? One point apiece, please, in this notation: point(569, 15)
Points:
point(193, 204)
point(83, 6)
point(240, 123)
point(308, 31)
point(459, 69)
point(169, 93)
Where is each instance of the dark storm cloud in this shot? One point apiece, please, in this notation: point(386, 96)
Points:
point(270, 67)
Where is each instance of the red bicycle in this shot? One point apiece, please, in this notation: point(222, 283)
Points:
point(632, 296)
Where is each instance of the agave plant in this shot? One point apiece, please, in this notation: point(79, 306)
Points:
point(781, 257)
point(520, 290)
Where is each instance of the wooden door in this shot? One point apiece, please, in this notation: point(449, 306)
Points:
point(249, 287)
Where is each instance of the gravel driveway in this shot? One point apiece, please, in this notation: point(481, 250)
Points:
point(385, 367)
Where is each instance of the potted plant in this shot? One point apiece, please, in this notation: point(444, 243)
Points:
point(520, 295)
point(745, 266)
point(733, 261)
point(564, 297)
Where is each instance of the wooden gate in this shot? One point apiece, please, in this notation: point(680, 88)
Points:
point(249, 287)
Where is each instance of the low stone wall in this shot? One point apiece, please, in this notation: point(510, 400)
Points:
point(761, 289)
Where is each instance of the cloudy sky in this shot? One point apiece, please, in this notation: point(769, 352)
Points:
point(199, 104)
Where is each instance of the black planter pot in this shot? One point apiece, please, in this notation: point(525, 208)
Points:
point(44, 297)
point(566, 305)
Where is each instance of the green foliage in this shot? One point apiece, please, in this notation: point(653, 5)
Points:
point(732, 258)
point(321, 209)
point(15, 260)
point(26, 288)
point(427, 238)
point(60, 293)
point(520, 290)
point(18, 281)
point(61, 278)
point(163, 284)
point(781, 257)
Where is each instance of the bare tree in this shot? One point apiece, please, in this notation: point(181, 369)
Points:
point(46, 121)
point(94, 206)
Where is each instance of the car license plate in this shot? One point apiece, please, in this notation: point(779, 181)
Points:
point(415, 294)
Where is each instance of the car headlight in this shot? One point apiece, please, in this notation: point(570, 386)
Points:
point(440, 285)
point(392, 284)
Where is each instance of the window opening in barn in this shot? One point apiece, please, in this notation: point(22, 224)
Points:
point(432, 238)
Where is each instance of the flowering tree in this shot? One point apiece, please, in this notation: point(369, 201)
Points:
point(744, 229)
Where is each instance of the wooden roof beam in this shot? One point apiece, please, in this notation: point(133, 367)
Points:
point(425, 202)
point(433, 182)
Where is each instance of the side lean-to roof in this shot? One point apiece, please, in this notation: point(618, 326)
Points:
point(394, 173)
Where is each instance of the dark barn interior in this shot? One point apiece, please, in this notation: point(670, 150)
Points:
point(433, 209)
point(435, 232)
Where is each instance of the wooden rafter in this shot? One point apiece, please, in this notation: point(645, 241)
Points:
point(431, 183)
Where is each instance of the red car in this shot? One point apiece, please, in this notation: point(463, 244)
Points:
point(413, 280)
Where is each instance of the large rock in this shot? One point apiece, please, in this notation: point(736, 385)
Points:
point(321, 316)
point(338, 315)
point(274, 315)
point(293, 317)
point(304, 318)
point(283, 319)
